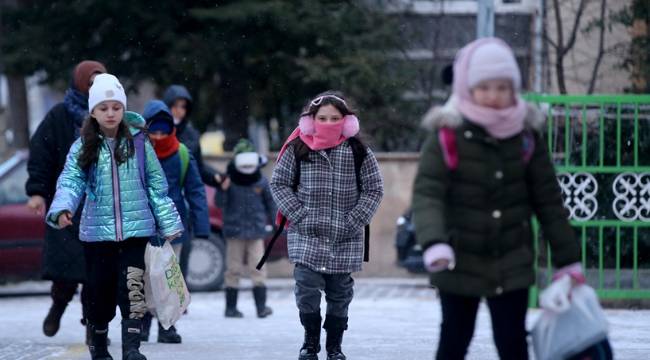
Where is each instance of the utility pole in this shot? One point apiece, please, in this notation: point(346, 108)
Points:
point(538, 47)
point(485, 19)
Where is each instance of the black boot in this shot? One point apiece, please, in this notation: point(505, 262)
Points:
point(259, 293)
point(99, 347)
point(311, 346)
point(231, 303)
point(52, 321)
point(169, 336)
point(335, 326)
point(131, 330)
point(146, 327)
point(89, 336)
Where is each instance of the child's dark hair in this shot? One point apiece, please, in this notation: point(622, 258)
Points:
point(329, 97)
point(92, 141)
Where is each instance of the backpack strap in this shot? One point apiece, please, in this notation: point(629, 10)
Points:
point(275, 237)
point(282, 219)
point(527, 146)
point(449, 147)
point(185, 161)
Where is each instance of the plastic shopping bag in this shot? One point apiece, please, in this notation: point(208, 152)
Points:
point(166, 294)
point(560, 335)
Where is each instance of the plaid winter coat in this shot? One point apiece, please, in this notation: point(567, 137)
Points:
point(326, 212)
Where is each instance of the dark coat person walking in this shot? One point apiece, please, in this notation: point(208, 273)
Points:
point(180, 103)
point(63, 257)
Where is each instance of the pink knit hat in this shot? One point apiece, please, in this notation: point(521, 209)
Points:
point(493, 60)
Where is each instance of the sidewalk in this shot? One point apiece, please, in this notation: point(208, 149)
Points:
point(389, 319)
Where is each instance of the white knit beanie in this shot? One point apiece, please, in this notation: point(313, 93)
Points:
point(493, 61)
point(105, 87)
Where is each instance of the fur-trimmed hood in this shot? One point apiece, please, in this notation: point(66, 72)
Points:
point(448, 115)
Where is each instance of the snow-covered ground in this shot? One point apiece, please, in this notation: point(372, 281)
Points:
point(395, 319)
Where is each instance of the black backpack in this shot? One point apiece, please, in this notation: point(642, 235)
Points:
point(359, 152)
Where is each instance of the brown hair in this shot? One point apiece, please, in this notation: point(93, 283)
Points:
point(92, 141)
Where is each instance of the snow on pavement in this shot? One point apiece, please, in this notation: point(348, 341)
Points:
point(389, 319)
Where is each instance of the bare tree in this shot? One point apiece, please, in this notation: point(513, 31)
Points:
point(561, 47)
point(601, 47)
point(564, 43)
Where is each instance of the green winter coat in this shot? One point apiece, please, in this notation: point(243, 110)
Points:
point(483, 208)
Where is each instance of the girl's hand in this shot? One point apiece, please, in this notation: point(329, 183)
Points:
point(65, 219)
point(439, 257)
point(172, 237)
point(556, 296)
point(225, 183)
point(36, 203)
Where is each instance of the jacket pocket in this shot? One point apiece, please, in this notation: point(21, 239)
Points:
point(309, 226)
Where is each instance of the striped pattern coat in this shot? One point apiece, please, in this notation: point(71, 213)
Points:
point(327, 213)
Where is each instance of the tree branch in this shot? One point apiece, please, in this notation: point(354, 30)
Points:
point(576, 24)
point(601, 48)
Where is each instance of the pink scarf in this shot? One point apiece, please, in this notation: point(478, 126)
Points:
point(322, 136)
point(326, 135)
point(499, 123)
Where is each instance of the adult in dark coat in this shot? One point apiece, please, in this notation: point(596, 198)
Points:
point(180, 102)
point(63, 256)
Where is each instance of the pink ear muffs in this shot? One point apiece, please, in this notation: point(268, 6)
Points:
point(306, 125)
point(350, 125)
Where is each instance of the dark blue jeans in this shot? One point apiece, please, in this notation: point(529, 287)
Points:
point(338, 290)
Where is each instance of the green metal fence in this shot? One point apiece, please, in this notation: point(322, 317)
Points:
point(601, 147)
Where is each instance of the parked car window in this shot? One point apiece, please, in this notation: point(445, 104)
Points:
point(12, 186)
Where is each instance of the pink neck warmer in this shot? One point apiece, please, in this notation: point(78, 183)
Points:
point(326, 135)
point(499, 123)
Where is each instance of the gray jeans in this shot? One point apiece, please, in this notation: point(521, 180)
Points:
point(309, 284)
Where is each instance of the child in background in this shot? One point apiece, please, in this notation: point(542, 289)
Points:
point(116, 168)
point(484, 171)
point(185, 185)
point(248, 208)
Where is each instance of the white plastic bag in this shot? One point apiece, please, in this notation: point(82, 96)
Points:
point(166, 294)
point(561, 335)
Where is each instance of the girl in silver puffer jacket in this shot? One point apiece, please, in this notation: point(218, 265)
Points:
point(117, 170)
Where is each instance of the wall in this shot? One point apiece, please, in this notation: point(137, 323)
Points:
point(398, 170)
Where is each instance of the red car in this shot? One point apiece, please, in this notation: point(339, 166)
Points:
point(23, 232)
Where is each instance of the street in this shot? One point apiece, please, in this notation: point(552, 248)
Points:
point(389, 319)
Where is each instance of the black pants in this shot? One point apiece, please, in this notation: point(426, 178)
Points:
point(508, 313)
point(309, 284)
point(63, 291)
point(115, 273)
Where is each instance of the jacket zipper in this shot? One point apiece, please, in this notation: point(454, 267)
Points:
point(117, 208)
